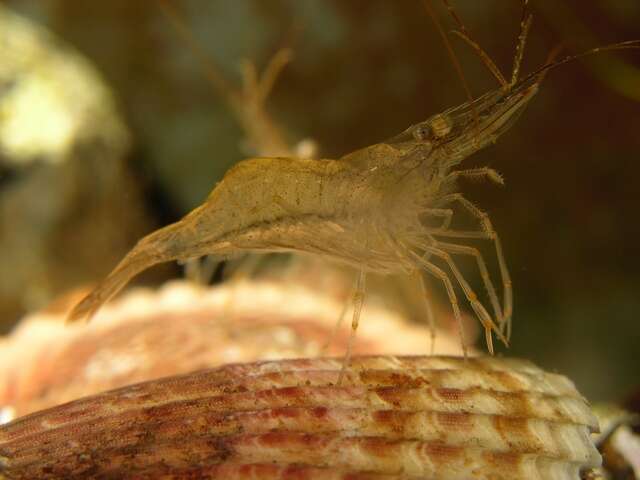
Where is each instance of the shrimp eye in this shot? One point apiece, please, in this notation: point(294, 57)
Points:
point(441, 125)
point(422, 133)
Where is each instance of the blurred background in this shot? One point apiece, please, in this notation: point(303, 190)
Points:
point(130, 135)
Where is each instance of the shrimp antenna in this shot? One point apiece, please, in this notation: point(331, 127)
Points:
point(525, 25)
point(452, 53)
point(464, 34)
point(550, 65)
point(220, 84)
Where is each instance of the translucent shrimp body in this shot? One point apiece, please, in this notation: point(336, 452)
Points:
point(371, 209)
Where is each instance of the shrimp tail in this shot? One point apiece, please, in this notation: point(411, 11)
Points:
point(157, 247)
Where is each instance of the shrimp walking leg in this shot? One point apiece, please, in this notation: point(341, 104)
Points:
point(430, 318)
point(453, 298)
point(487, 228)
point(341, 317)
point(481, 235)
point(484, 317)
point(244, 269)
point(487, 172)
point(208, 267)
point(358, 301)
point(200, 271)
point(445, 213)
point(191, 269)
point(484, 272)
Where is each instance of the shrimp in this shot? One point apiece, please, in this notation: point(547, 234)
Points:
point(386, 208)
point(366, 209)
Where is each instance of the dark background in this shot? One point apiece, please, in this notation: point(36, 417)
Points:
point(364, 71)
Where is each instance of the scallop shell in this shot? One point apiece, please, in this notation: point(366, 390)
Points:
point(180, 328)
point(391, 418)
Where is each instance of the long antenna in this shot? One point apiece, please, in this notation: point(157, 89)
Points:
point(525, 25)
point(550, 65)
point(464, 34)
point(447, 44)
point(221, 85)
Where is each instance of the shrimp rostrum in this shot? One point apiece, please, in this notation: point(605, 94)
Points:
point(386, 208)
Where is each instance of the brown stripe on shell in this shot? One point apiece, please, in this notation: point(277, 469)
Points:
point(269, 471)
point(393, 417)
point(568, 409)
point(400, 370)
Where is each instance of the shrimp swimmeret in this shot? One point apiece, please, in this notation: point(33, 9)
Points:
point(386, 208)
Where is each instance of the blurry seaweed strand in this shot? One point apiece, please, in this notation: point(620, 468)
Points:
point(370, 209)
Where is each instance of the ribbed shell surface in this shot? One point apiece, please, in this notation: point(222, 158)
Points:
point(391, 418)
